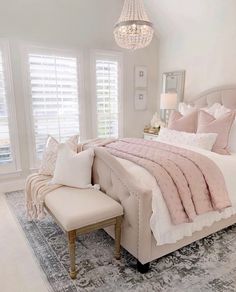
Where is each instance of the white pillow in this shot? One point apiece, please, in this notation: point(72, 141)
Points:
point(221, 111)
point(203, 141)
point(186, 109)
point(73, 169)
point(212, 109)
point(50, 153)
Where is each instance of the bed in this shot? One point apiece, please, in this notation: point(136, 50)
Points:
point(138, 193)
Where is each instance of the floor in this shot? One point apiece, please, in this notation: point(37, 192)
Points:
point(19, 272)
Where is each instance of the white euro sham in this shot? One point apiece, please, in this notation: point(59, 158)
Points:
point(73, 169)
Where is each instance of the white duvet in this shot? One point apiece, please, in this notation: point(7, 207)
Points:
point(163, 230)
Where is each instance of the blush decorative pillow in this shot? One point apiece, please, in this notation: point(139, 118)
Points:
point(222, 126)
point(187, 123)
point(203, 141)
point(50, 154)
point(73, 169)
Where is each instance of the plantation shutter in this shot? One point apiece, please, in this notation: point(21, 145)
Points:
point(107, 97)
point(5, 148)
point(55, 97)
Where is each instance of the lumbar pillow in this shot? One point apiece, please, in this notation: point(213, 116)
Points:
point(73, 169)
point(203, 141)
point(222, 126)
point(50, 154)
point(187, 123)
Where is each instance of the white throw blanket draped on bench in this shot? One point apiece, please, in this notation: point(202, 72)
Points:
point(36, 188)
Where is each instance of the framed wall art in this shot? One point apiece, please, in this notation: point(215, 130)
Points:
point(140, 101)
point(141, 76)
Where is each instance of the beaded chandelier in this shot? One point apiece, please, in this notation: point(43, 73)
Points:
point(133, 29)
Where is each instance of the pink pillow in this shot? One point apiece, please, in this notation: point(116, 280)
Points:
point(182, 123)
point(221, 126)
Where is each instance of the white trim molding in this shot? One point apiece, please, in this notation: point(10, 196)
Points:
point(15, 166)
point(107, 56)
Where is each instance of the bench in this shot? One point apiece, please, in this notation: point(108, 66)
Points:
point(79, 211)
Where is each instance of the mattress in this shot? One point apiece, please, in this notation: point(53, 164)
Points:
point(160, 223)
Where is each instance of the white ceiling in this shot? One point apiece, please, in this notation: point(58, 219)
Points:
point(186, 16)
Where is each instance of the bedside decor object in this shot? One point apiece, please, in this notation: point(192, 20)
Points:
point(168, 102)
point(141, 76)
point(133, 29)
point(140, 101)
point(154, 128)
point(156, 121)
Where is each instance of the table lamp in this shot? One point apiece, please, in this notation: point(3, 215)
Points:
point(167, 104)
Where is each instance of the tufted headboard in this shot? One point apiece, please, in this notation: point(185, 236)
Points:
point(225, 95)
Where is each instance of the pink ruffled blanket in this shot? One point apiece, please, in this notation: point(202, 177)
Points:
point(191, 183)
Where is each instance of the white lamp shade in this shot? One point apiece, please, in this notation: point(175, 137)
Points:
point(168, 101)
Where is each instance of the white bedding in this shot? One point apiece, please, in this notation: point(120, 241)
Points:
point(163, 230)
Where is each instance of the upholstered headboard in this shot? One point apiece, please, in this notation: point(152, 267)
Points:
point(225, 95)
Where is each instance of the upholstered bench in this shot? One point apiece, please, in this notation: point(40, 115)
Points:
point(79, 211)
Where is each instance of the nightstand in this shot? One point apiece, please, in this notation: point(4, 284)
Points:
point(150, 137)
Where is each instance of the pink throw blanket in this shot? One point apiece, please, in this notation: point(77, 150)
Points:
point(191, 183)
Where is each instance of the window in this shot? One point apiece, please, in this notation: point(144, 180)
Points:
point(8, 145)
point(54, 97)
point(108, 95)
point(5, 145)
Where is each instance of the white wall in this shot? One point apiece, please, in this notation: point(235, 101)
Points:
point(199, 37)
point(79, 24)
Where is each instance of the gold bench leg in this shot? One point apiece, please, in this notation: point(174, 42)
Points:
point(117, 237)
point(72, 243)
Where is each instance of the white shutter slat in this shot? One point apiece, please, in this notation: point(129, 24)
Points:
point(107, 95)
point(55, 97)
point(5, 148)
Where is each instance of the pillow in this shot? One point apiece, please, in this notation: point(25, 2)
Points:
point(221, 111)
point(182, 123)
point(186, 109)
point(50, 154)
point(203, 141)
point(222, 126)
point(73, 169)
point(212, 109)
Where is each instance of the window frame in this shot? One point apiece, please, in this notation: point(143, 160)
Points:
point(15, 166)
point(110, 56)
point(33, 49)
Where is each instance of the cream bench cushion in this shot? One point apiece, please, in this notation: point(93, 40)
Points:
point(75, 208)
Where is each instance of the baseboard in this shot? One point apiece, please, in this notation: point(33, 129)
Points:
point(13, 185)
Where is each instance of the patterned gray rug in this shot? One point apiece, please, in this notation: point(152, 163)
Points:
point(207, 265)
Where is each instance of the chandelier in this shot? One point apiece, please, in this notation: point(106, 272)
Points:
point(133, 29)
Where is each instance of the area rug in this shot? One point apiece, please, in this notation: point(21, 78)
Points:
point(206, 265)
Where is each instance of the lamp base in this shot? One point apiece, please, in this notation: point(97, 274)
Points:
point(165, 115)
